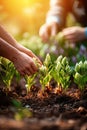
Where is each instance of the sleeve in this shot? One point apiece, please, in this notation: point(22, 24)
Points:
point(58, 11)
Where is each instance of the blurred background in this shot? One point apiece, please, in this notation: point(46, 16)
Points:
point(20, 16)
point(23, 18)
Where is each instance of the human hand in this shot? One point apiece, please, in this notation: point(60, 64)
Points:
point(74, 34)
point(48, 30)
point(24, 64)
point(32, 55)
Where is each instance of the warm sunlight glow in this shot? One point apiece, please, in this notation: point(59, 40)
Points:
point(15, 6)
point(23, 14)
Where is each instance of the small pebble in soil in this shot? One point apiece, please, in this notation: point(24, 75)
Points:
point(27, 106)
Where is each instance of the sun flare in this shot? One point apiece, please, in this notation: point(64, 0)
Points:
point(15, 6)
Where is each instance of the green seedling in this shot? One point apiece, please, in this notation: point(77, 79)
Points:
point(30, 80)
point(62, 72)
point(7, 73)
point(45, 72)
point(80, 75)
point(45, 77)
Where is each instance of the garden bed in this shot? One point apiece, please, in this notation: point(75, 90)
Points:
point(51, 110)
point(55, 98)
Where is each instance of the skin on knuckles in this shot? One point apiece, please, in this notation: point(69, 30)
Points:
point(34, 68)
point(30, 69)
point(21, 72)
point(25, 71)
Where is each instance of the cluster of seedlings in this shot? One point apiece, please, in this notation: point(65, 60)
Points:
point(59, 70)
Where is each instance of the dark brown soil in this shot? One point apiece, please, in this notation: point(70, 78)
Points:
point(51, 110)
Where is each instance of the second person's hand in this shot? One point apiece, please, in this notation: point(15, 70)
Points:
point(74, 34)
point(48, 30)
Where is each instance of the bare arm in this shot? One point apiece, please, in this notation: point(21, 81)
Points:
point(7, 51)
point(58, 11)
point(55, 19)
point(22, 62)
point(7, 37)
point(11, 41)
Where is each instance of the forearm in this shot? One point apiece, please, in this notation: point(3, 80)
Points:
point(8, 51)
point(57, 13)
point(7, 37)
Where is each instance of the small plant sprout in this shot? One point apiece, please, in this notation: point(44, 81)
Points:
point(45, 71)
point(45, 77)
point(80, 75)
point(55, 73)
point(48, 61)
point(7, 73)
point(29, 81)
point(65, 73)
point(62, 72)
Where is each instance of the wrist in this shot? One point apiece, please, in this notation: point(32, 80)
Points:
point(52, 19)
